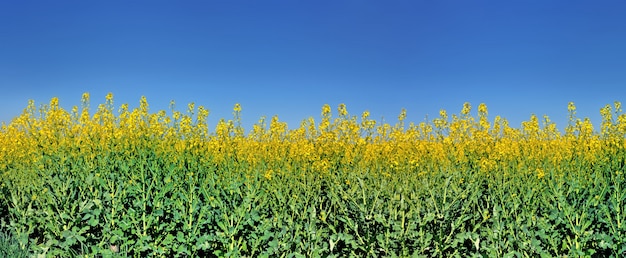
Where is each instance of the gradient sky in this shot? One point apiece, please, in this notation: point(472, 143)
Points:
point(288, 58)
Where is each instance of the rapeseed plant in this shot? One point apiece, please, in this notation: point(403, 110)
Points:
point(145, 174)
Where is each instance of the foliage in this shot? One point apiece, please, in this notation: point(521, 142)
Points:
point(9, 246)
point(136, 183)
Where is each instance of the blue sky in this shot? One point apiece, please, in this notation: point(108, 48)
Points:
point(288, 58)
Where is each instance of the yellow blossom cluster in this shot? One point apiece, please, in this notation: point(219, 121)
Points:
point(357, 143)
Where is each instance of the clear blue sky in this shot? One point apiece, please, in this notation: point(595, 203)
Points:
point(291, 57)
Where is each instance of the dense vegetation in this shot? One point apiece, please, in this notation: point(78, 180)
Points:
point(140, 183)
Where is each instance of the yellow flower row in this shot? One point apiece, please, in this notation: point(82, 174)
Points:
point(448, 142)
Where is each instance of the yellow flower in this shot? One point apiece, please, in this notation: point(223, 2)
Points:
point(540, 173)
point(342, 110)
point(482, 108)
point(325, 110)
point(443, 114)
point(571, 107)
point(466, 108)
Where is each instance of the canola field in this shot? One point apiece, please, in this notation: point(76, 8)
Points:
point(115, 182)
